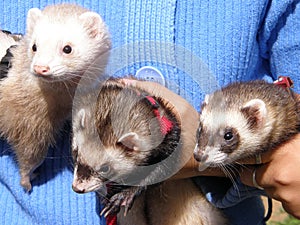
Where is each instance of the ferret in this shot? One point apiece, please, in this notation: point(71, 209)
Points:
point(7, 42)
point(60, 46)
point(244, 119)
point(124, 141)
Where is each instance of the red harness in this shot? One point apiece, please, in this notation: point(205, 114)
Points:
point(284, 82)
point(111, 220)
point(165, 124)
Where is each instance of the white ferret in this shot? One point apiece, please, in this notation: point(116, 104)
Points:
point(61, 44)
point(123, 138)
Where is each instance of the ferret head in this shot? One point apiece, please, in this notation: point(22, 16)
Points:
point(64, 40)
point(114, 141)
point(95, 164)
point(228, 130)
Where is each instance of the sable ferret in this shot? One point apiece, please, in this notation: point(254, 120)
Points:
point(7, 42)
point(124, 140)
point(244, 119)
point(60, 46)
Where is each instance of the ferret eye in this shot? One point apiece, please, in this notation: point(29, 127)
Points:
point(105, 169)
point(67, 49)
point(228, 136)
point(34, 48)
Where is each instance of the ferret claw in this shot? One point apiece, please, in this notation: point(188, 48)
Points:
point(113, 206)
point(126, 210)
point(25, 181)
point(124, 198)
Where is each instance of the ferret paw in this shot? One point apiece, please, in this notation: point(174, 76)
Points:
point(26, 184)
point(124, 198)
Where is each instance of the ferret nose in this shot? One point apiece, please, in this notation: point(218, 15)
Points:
point(197, 156)
point(200, 156)
point(77, 190)
point(41, 70)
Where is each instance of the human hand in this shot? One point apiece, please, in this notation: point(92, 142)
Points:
point(279, 175)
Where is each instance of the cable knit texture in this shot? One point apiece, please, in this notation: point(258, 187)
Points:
point(197, 45)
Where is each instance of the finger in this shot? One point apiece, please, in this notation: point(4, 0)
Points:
point(250, 173)
point(292, 209)
point(128, 81)
point(246, 176)
point(253, 160)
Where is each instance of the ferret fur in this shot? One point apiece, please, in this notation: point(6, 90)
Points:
point(244, 119)
point(7, 41)
point(114, 137)
point(59, 47)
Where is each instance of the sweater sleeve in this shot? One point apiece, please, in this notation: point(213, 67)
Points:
point(280, 39)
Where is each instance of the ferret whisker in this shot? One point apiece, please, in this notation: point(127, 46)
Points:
point(102, 196)
point(228, 172)
point(235, 168)
point(58, 69)
point(53, 157)
point(233, 171)
point(240, 165)
point(68, 89)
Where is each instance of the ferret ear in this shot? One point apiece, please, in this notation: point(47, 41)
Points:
point(33, 16)
point(255, 111)
point(93, 23)
point(131, 140)
point(205, 102)
point(206, 99)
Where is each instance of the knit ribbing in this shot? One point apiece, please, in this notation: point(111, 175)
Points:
point(223, 36)
point(218, 42)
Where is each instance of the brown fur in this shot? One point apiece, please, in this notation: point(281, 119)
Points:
point(177, 202)
point(33, 107)
point(282, 105)
point(253, 131)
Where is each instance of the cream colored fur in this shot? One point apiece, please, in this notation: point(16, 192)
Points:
point(176, 202)
point(35, 106)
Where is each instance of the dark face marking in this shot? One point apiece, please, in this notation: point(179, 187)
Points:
point(83, 171)
point(202, 139)
point(203, 105)
point(202, 136)
point(75, 154)
point(230, 140)
point(199, 131)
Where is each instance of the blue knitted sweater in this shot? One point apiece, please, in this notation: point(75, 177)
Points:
point(197, 45)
